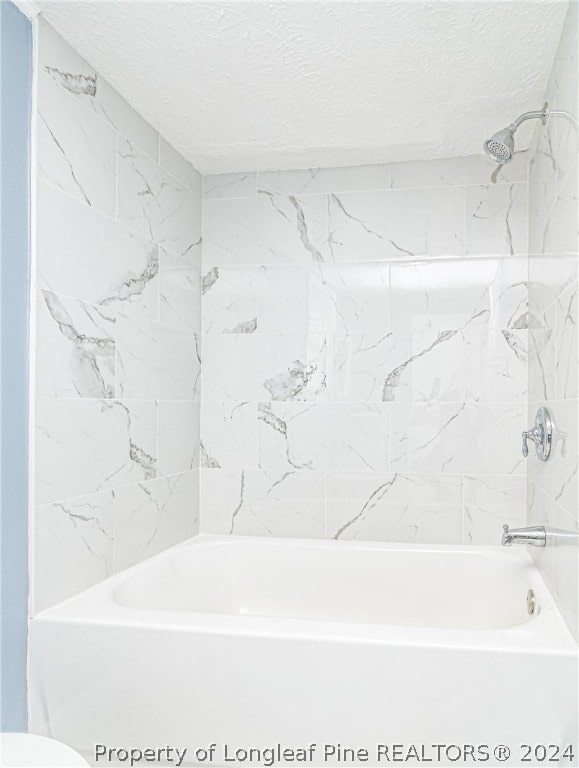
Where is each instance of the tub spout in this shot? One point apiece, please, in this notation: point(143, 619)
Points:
point(535, 536)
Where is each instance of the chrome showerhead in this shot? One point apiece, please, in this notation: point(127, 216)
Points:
point(501, 145)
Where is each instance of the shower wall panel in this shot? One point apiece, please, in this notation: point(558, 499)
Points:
point(553, 492)
point(365, 335)
point(117, 296)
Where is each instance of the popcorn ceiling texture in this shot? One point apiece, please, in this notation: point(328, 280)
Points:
point(278, 85)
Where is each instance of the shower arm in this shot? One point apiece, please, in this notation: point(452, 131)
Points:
point(535, 115)
point(543, 115)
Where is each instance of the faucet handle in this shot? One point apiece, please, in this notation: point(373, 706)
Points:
point(525, 451)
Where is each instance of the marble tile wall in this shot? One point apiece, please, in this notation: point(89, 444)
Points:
point(365, 337)
point(553, 492)
point(118, 317)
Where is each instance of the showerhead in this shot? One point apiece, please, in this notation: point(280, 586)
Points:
point(501, 145)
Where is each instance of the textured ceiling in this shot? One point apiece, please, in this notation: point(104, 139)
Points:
point(270, 85)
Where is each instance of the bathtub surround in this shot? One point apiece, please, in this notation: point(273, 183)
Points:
point(365, 352)
point(15, 95)
point(553, 492)
point(373, 341)
point(117, 290)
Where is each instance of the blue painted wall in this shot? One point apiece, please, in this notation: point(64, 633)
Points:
point(15, 106)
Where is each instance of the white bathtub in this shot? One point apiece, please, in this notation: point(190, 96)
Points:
point(252, 643)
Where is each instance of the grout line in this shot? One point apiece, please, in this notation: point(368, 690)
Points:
point(116, 176)
point(157, 474)
point(357, 191)
point(466, 229)
point(102, 491)
point(418, 260)
point(133, 232)
point(463, 535)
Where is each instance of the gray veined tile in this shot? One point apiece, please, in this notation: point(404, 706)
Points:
point(323, 436)
point(355, 297)
point(234, 367)
point(560, 232)
point(394, 507)
point(56, 55)
point(396, 224)
point(457, 438)
point(294, 299)
point(180, 298)
point(229, 435)
point(220, 186)
point(426, 366)
point(76, 149)
point(230, 299)
point(544, 181)
point(156, 205)
point(152, 516)
point(494, 364)
point(557, 561)
point(456, 171)
point(252, 367)
point(549, 276)
point(491, 501)
point(265, 229)
point(469, 365)
point(82, 253)
point(542, 365)
point(452, 294)
point(178, 167)
point(297, 367)
point(84, 446)
point(177, 436)
point(75, 76)
point(265, 299)
point(551, 165)
point(156, 361)
point(73, 547)
point(324, 180)
point(169, 259)
point(496, 220)
point(75, 348)
point(567, 345)
point(263, 503)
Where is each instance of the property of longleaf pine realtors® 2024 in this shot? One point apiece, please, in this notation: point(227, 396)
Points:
point(314, 755)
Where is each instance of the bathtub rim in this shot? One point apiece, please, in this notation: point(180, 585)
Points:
point(544, 633)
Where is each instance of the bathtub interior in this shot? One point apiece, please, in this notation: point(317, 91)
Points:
point(447, 587)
